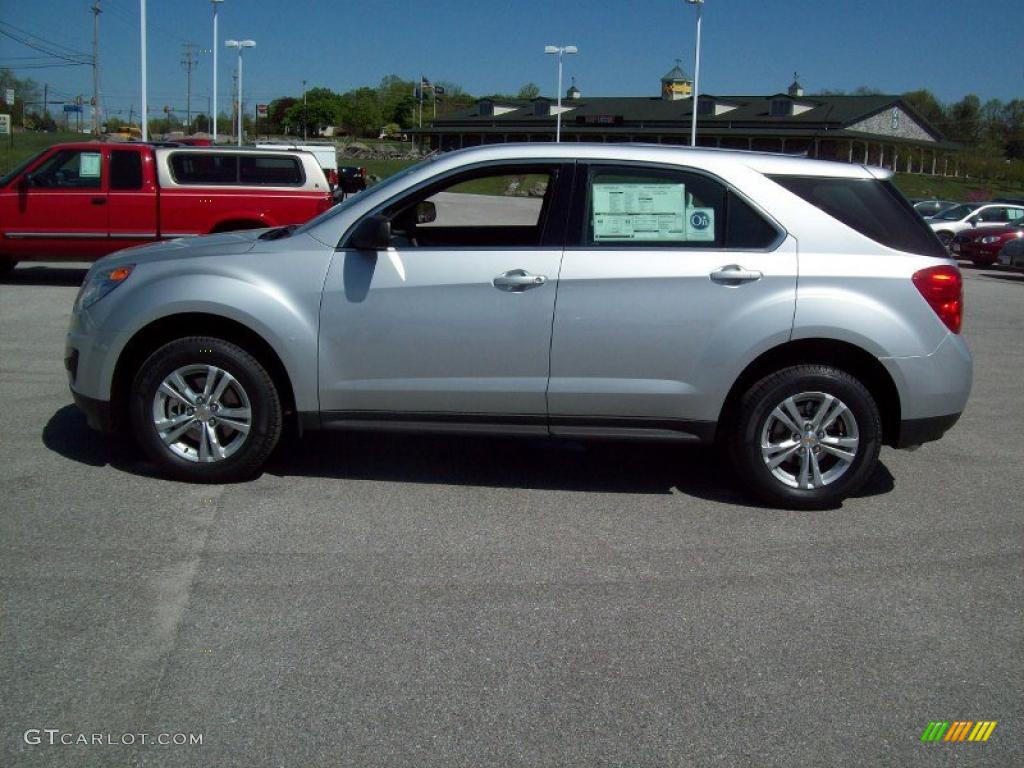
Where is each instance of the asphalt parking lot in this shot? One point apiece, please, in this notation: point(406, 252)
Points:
point(400, 601)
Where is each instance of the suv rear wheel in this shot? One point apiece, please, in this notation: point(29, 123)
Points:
point(205, 410)
point(806, 437)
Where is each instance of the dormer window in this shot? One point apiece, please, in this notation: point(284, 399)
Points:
point(706, 107)
point(781, 108)
point(541, 107)
point(486, 108)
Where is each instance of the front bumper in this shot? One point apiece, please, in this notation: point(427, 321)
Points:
point(99, 414)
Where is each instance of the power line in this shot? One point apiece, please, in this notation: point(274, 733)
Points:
point(82, 60)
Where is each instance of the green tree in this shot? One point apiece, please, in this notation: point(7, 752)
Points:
point(929, 107)
point(361, 113)
point(396, 101)
point(965, 120)
point(529, 91)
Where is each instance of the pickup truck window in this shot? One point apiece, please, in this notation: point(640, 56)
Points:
point(272, 170)
point(125, 169)
point(71, 169)
point(188, 168)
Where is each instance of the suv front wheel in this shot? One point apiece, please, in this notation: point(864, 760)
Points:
point(205, 410)
point(806, 437)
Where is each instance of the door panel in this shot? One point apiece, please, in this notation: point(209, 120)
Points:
point(63, 215)
point(647, 334)
point(419, 330)
point(132, 197)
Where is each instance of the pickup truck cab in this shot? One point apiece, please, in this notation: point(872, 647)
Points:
point(81, 201)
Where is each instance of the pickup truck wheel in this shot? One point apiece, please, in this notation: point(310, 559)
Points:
point(6, 265)
point(205, 410)
point(806, 437)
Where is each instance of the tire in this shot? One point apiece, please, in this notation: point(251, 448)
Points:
point(759, 436)
point(246, 430)
point(7, 264)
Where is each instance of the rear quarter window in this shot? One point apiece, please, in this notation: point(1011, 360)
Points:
point(872, 207)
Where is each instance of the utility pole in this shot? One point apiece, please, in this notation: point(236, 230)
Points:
point(234, 102)
point(96, 67)
point(188, 62)
point(304, 119)
point(46, 108)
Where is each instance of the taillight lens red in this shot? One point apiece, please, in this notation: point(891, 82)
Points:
point(332, 177)
point(943, 289)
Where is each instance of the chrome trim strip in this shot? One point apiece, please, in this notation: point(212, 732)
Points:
point(133, 235)
point(56, 235)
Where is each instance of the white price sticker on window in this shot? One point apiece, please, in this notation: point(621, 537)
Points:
point(631, 212)
point(89, 165)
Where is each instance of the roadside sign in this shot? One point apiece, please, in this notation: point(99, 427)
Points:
point(9, 95)
point(72, 107)
point(261, 110)
point(5, 125)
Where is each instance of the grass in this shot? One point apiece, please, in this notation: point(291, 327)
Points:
point(29, 143)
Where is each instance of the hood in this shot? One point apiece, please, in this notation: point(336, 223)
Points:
point(224, 244)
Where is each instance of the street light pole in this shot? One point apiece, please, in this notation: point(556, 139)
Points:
point(240, 44)
point(560, 50)
point(145, 104)
point(213, 117)
point(696, 75)
point(304, 118)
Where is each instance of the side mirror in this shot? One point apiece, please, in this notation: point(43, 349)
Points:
point(372, 234)
point(426, 212)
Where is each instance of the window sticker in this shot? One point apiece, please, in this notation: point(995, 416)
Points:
point(639, 212)
point(700, 224)
point(89, 165)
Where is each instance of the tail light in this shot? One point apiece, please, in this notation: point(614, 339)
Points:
point(943, 289)
point(332, 177)
point(362, 172)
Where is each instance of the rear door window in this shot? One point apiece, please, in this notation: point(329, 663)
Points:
point(872, 207)
point(125, 169)
point(653, 207)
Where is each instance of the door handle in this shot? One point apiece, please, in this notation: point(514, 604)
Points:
point(518, 280)
point(99, 201)
point(733, 274)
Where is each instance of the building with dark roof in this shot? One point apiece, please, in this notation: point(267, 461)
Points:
point(875, 130)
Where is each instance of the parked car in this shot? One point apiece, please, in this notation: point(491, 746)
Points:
point(1012, 254)
point(326, 155)
point(353, 179)
point(1011, 200)
point(966, 215)
point(981, 245)
point(81, 201)
point(428, 303)
point(928, 208)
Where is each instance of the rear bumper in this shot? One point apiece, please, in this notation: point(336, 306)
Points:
point(914, 432)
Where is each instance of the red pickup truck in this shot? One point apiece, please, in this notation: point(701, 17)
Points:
point(77, 202)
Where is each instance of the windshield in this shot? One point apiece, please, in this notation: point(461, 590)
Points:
point(11, 175)
point(351, 199)
point(955, 214)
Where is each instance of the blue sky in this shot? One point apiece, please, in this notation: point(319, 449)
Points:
point(750, 46)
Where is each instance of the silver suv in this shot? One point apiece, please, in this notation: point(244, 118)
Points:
point(797, 312)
